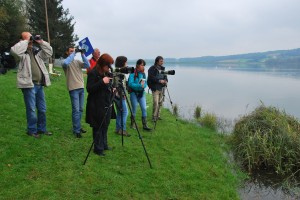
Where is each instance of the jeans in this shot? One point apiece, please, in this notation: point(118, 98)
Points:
point(34, 98)
point(77, 100)
point(124, 114)
point(135, 100)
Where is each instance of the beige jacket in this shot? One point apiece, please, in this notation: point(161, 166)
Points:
point(24, 76)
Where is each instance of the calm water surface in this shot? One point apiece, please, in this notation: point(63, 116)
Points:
point(232, 91)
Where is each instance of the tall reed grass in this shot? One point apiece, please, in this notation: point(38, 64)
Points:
point(268, 138)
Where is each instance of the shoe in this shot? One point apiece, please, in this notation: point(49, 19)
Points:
point(35, 135)
point(117, 131)
point(78, 135)
point(125, 133)
point(82, 130)
point(145, 126)
point(108, 148)
point(45, 133)
point(100, 153)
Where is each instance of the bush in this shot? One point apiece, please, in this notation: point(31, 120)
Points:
point(176, 110)
point(209, 120)
point(268, 138)
point(197, 113)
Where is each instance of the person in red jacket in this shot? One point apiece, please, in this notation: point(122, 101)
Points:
point(94, 59)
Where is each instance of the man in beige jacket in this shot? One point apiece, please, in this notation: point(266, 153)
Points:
point(32, 76)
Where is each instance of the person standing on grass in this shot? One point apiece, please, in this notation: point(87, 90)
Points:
point(93, 60)
point(120, 98)
point(75, 85)
point(32, 76)
point(157, 83)
point(99, 102)
point(136, 88)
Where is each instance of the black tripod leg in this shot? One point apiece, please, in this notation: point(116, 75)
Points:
point(88, 152)
point(172, 106)
point(137, 129)
point(113, 96)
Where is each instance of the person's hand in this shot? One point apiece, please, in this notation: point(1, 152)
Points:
point(106, 79)
point(142, 82)
point(26, 36)
point(164, 82)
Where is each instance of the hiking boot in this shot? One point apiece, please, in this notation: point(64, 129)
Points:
point(145, 127)
point(125, 133)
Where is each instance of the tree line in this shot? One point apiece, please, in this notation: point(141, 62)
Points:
point(17, 16)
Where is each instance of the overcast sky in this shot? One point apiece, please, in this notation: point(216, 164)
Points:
point(186, 28)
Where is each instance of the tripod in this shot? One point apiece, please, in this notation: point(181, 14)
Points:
point(123, 95)
point(120, 108)
point(159, 105)
point(104, 118)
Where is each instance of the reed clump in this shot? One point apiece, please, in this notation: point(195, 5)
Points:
point(268, 138)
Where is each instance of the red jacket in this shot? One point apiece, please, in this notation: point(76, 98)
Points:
point(93, 63)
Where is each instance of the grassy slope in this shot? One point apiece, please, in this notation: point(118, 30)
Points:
point(188, 161)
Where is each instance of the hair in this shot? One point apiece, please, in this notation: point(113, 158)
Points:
point(65, 54)
point(157, 59)
point(139, 62)
point(120, 61)
point(95, 50)
point(105, 59)
point(69, 47)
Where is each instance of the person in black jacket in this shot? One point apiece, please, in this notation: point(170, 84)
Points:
point(99, 102)
point(157, 82)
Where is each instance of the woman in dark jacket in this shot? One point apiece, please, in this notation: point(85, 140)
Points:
point(99, 102)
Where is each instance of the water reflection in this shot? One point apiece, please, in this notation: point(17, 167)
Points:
point(263, 185)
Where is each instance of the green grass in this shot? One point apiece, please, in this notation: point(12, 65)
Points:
point(188, 162)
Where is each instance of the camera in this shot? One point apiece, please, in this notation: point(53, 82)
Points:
point(36, 37)
point(79, 50)
point(169, 72)
point(35, 49)
point(125, 70)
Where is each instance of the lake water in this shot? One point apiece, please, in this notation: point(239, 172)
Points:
point(233, 91)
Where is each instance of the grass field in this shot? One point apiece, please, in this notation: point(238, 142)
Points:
point(188, 162)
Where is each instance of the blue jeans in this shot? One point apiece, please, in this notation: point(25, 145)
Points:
point(124, 114)
point(77, 100)
point(34, 98)
point(135, 100)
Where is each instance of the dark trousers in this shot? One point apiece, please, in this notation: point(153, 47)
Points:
point(100, 139)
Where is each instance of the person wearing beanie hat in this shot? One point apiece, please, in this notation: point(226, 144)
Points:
point(120, 101)
point(99, 100)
